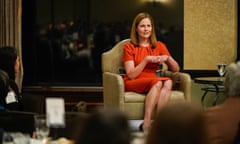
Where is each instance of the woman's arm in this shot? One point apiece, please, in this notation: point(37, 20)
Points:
point(172, 64)
point(133, 71)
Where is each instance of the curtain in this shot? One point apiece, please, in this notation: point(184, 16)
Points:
point(10, 29)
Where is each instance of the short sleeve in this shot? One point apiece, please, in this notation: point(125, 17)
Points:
point(128, 52)
point(163, 49)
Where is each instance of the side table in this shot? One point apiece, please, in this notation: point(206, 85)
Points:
point(216, 82)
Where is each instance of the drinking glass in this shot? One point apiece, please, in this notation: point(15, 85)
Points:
point(221, 68)
point(41, 127)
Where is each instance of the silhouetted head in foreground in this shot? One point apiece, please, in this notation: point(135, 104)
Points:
point(106, 126)
point(178, 123)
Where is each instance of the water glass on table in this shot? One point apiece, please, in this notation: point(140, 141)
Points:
point(41, 127)
point(221, 68)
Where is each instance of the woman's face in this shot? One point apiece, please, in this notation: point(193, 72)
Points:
point(144, 28)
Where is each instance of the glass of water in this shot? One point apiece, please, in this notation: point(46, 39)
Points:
point(221, 68)
point(41, 127)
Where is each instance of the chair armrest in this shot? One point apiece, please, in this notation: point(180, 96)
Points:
point(182, 82)
point(113, 89)
point(167, 73)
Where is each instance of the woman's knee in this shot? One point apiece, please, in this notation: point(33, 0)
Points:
point(158, 84)
point(168, 84)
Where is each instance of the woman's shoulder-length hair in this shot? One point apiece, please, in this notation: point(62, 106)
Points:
point(136, 21)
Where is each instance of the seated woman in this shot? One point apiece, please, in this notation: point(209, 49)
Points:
point(141, 57)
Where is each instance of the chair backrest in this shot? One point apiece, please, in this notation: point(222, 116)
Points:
point(33, 103)
point(112, 59)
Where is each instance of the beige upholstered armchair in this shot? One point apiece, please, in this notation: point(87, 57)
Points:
point(131, 102)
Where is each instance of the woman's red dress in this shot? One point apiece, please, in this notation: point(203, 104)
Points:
point(147, 78)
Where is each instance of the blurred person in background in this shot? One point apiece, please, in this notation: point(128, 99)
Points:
point(10, 63)
point(223, 120)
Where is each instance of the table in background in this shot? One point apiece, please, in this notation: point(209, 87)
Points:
point(216, 82)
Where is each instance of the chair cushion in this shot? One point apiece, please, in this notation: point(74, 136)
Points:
point(177, 95)
point(131, 97)
point(134, 97)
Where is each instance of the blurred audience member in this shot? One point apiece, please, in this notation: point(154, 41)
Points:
point(178, 123)
point(4, 84)
point(8, 101)
point(223, 120)
point(106, 126)
point(9, 62)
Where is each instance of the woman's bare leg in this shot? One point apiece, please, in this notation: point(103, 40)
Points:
point(165, 94)
point(150, 103)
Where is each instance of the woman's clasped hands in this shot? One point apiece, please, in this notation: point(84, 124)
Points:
point(157, 59)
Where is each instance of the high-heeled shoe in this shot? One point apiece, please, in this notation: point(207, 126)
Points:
point(141, 127)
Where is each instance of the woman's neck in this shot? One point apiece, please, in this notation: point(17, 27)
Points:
point(144, 42)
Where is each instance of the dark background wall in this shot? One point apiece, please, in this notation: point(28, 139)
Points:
point(42, 48)
point(108, 10)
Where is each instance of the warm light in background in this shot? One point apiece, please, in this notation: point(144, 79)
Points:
point(165, 1)
point(162, 2)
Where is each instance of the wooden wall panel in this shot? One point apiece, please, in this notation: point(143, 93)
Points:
point(210, 33)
